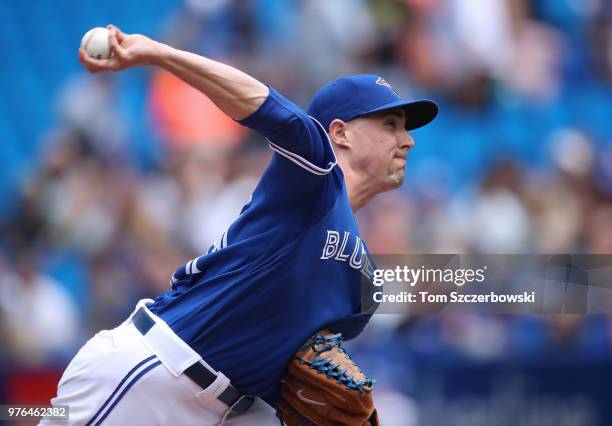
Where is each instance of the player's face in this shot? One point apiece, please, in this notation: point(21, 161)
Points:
point(380, 146)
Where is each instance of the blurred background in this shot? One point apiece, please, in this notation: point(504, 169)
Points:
point(109, 182)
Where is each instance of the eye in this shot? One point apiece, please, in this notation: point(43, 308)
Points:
point(391, 124)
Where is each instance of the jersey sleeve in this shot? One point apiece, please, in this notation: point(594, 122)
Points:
point(302, 181)
point(293, 134)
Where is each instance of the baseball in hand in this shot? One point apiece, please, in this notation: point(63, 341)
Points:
point(95, 42)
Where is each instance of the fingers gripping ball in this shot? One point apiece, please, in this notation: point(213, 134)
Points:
point(96, 44)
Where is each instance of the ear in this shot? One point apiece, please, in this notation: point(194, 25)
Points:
point(338, 133)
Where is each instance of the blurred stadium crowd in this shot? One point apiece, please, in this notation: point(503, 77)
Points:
point(112, 181)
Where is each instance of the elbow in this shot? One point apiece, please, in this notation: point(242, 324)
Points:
point(248, 105)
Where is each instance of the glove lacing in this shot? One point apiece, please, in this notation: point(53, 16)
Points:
point(333, 370)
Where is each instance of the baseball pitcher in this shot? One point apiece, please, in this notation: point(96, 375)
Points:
point(251, 331)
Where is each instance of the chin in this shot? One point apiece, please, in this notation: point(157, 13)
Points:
point(395, 181)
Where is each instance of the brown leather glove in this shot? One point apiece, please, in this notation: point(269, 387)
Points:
point(323, 386)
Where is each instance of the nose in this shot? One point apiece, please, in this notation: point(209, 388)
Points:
point(406, 141)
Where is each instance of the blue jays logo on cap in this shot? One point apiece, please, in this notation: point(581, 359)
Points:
point(353, 96)
point(383, 82)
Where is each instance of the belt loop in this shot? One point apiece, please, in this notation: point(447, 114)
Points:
point(239, 407)
point(242, 404)
point(199, 372)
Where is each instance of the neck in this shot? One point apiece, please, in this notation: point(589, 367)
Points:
point(360, 188)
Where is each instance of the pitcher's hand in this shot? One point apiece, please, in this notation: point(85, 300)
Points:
point(127, 50)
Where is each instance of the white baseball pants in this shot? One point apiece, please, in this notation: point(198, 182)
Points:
point(122, 377)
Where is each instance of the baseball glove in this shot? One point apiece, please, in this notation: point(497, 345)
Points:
point(323, 386)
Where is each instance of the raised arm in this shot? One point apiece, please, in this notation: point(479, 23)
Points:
point(237, 94)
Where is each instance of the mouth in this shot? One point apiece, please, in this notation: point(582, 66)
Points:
point(401, 158)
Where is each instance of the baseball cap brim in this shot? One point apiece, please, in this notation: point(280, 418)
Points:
point(418, 113)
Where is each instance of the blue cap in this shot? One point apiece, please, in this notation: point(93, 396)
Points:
point(357, 95)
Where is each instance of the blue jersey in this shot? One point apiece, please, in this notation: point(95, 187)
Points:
point(291, 264)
